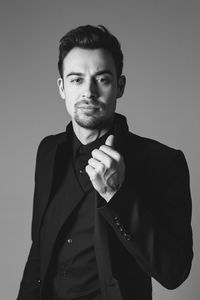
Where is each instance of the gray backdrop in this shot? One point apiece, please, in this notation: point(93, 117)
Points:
point(160, 40)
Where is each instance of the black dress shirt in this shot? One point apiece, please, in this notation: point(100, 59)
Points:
point(76, 270)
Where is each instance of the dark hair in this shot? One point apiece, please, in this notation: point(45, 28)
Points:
point(91, 37)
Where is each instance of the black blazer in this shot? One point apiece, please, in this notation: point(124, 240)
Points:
point(143, 232)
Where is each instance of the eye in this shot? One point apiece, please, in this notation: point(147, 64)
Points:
point(103, 80)
point(76, 80)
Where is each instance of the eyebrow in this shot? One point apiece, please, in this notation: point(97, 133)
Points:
point(96, 74)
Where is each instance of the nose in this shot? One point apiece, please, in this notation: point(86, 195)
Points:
point(90, 89)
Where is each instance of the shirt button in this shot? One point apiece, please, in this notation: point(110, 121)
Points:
point(69, 241)
point(65, 273)
point(81, 171)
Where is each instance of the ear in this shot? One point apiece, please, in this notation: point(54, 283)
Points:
point(60, 84)
point(121, 86)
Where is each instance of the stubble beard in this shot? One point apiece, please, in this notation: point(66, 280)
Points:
point(97, 118)
point(94, 120)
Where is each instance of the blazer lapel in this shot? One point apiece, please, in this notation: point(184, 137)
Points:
point(62, 205)
point(53, 170)
point(64, 196)
point(64, 202)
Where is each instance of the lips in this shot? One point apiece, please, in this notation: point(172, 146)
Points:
point(88, 106)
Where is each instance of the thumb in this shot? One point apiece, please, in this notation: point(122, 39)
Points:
point(110, 141)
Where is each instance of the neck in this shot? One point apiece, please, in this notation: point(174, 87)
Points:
point(86, 135)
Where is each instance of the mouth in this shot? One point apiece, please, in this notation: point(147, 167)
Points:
point(90, 107)
point(88, 110)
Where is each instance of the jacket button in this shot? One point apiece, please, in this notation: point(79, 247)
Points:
point(127, 236)
point(69, 241)
point(117, 223)
point(116, 218)
point(121, 229)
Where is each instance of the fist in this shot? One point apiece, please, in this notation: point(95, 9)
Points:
point(106, 169)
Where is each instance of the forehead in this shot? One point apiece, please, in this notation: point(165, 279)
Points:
point(88, 60)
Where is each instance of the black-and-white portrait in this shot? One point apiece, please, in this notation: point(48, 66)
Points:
point(100, 145)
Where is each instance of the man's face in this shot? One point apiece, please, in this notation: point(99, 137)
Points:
point(90, 87)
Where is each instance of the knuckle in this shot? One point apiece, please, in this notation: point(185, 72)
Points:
point(110, 164)
point(90, 161)
point(88, 170)
point(94, 152)
point(118, 157)
point(102, 148)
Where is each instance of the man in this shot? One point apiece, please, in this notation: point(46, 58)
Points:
point(111, 209)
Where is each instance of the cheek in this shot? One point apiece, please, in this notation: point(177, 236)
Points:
point(110, 96)
point(110, 104)
point(72, 94)
point(112, 92)
point(69, 103)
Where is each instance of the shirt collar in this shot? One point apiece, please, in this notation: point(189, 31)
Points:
point(79, 149)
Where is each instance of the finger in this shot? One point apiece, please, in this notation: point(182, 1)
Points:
point(97, 165)
point(110, 152)
point(95, 179)
point(110, 141)
point(102, 157)
point(90, 171)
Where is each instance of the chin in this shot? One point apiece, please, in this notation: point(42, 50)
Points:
point(91, 122)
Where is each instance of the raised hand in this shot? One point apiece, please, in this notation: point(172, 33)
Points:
point(106, 169)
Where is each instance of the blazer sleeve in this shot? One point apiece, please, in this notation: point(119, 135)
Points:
point(155, 226)
point(30, 283)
